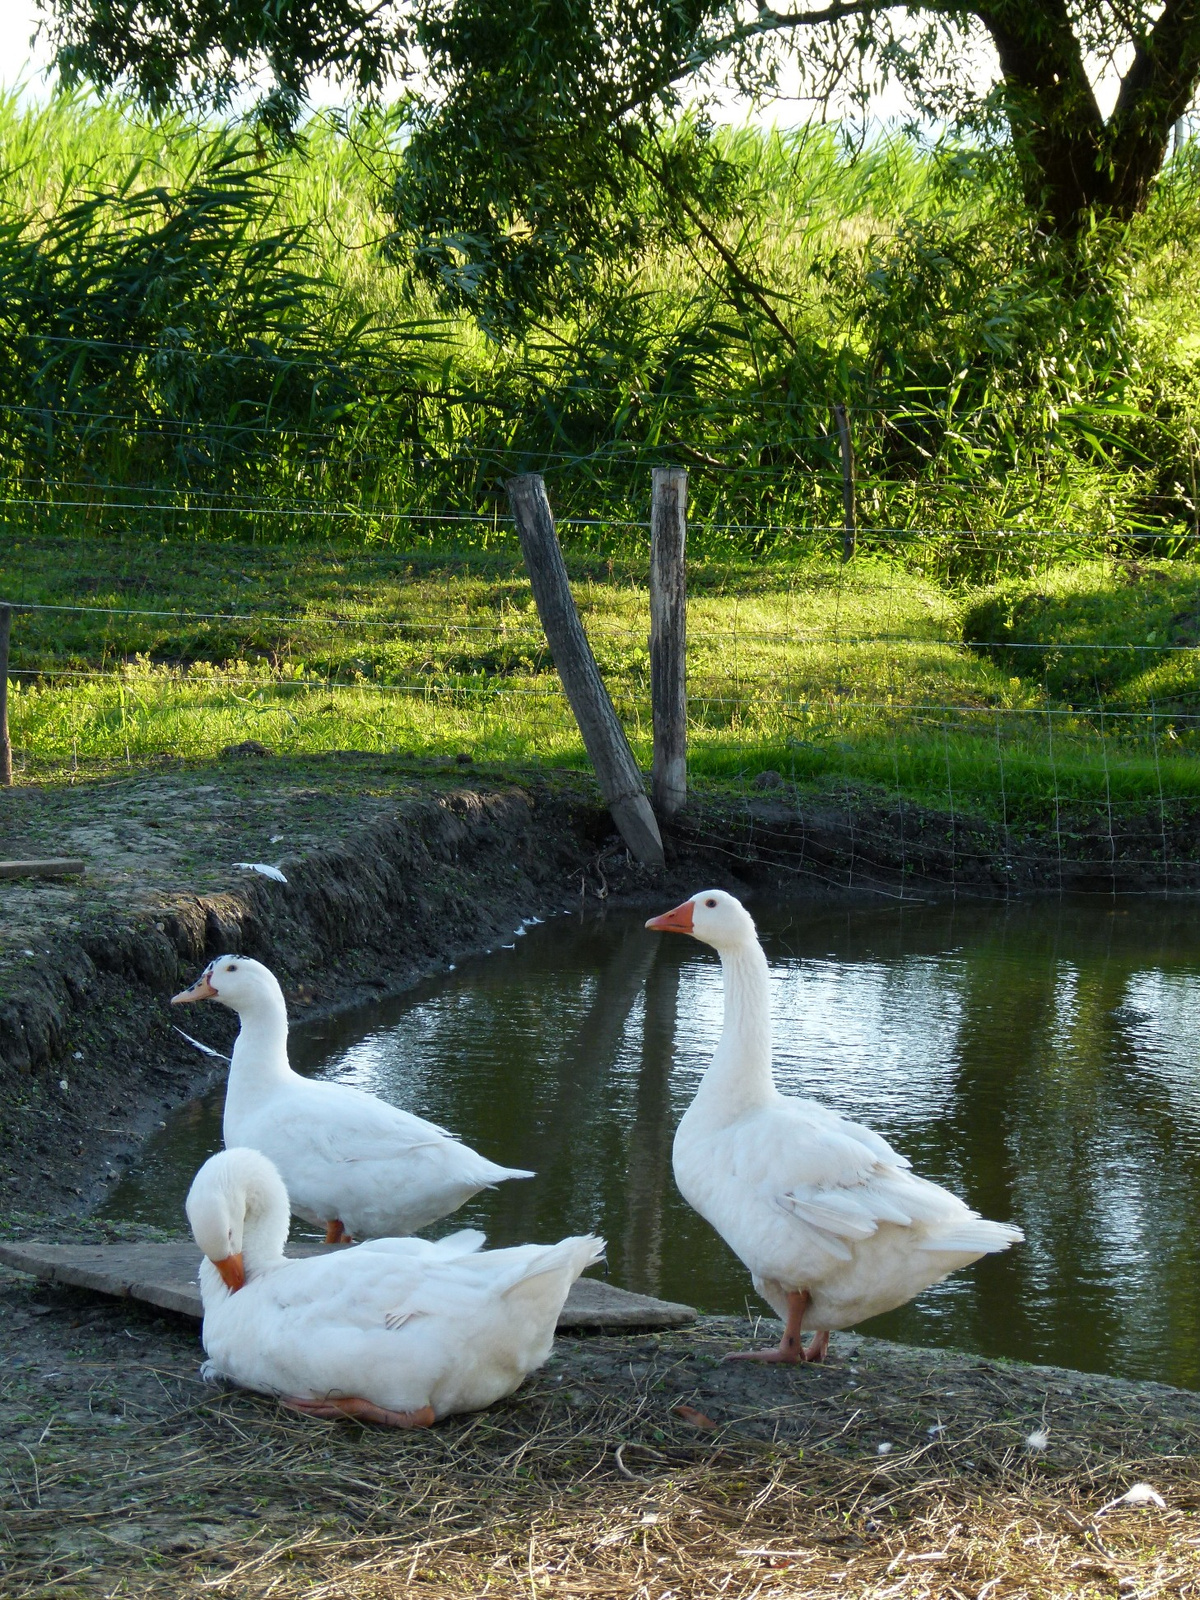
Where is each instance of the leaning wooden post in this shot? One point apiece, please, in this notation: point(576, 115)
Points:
point(5, 745)
point(849, 522)
point(603, 736)
point(668, 637)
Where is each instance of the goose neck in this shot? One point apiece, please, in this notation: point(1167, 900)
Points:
point(260, 1050)
point(740, 1074)
point(264, 1231)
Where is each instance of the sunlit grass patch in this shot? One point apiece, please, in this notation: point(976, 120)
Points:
point(1123, 630)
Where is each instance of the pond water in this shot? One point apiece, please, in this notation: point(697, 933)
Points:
point(1039, 1058)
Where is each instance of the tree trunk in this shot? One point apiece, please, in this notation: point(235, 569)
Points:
point(1075, 166)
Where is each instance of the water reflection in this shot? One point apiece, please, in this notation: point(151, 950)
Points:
point(1037, 1058)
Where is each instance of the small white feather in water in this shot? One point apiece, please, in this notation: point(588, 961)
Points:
point(262, 869)
point(207, 1048)
point(1141, 1494)
point(1038, 1440)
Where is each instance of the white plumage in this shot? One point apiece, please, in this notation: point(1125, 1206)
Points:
point(832, 1224)
point(398, 1331)
point(352, 1163)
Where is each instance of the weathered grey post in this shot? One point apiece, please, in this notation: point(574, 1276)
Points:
point(668, 637)
point(849, 523)
point(5, 746)
point(603, 736)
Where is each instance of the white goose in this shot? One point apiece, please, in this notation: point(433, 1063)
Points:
point(352, 1164)
point(831, 1223)
point(396, 1331)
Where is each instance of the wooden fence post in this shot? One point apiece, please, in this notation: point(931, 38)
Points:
point(5, 746)
point(849, 522)
point(668, 637)
point(603, 736)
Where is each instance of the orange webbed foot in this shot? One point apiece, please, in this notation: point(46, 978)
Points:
point(362, 1411)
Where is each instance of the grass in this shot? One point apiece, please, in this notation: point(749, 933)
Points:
point(831, 675)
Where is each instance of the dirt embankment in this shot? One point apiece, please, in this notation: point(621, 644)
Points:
point(392, 869)
point(382, 886)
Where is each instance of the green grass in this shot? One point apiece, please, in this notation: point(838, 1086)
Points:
point(832, 675)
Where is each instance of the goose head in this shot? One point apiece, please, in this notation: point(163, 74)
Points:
point(238, 982)
point(714, 917)
point(237, 1205)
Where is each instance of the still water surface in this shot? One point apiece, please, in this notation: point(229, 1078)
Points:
point(1040, 1059)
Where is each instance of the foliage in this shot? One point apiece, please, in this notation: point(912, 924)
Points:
point(215, 343)
point(534, 127)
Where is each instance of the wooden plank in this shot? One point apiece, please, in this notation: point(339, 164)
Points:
point(49, 867)
point(668, 638)
point(165, 1275)
point(603, 736)
point(5, 743)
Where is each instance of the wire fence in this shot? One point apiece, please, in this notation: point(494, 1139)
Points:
point(983, 739)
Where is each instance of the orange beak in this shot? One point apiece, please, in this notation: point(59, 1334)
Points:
point(200, 990)
point(233, 1271)
point(677, 921)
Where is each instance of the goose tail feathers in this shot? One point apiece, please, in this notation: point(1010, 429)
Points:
point(564, 1261)
point(977, 1235)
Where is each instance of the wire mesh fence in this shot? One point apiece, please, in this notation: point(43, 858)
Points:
point(1018, 727)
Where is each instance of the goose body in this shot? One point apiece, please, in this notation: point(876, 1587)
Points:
point(400, 1331)
point(351, 1163)
point(830, 1220)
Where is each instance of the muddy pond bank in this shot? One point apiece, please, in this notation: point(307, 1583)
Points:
point(394, 868)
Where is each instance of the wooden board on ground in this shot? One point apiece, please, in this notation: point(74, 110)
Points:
point(165, 1275)
point(44, 867)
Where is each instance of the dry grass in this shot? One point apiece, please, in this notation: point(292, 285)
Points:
point(589, 1484)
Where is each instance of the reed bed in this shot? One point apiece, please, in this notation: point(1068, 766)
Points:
point(195, 322)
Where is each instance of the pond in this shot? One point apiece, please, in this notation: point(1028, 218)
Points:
point(1038, 1058)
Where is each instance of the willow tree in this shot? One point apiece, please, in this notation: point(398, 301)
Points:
point(535, 124)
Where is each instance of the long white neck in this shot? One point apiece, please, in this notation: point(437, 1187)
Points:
point(740, 1077)
point(260, 1058)
point(265, 1230)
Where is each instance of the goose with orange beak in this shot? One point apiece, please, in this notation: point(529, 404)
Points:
point(832, 1223)
point(352, 1164)
point(398, 1331)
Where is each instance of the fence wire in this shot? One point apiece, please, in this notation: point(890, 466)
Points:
point(988, 739)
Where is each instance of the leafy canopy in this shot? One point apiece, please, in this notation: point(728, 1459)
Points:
point(536, 124)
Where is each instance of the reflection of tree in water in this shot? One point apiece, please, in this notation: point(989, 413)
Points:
point(648, 1157)
point(1057, 1127)
point(579, 1145)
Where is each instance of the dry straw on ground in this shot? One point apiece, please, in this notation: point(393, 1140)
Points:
point(591, 1483)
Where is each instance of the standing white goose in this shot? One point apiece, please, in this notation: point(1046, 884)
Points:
point(397, 1331)
point(831, 1223)
point(352, 1164)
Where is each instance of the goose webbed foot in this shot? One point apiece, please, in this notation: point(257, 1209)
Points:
point(362, 1411)
point(335, 1232)
point(790, 1351)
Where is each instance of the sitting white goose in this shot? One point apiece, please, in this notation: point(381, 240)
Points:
point(396, 1331)
point(826, 1215)
point(353, 1164)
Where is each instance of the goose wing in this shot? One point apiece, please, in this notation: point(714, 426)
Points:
point(839, 1179)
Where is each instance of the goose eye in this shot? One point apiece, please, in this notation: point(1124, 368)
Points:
point(231, 966)
point(711, 904)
